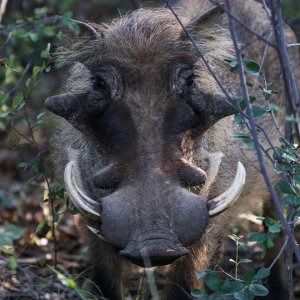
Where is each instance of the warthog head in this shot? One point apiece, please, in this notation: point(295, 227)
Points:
point(139, 104)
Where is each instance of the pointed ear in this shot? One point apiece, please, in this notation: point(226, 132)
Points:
point(211, 35)
point(82, 46)
point(90, 29)
point(211, 17)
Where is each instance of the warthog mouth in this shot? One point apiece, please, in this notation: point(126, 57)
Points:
point(159, 248)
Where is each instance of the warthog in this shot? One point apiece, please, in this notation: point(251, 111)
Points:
point(146, 139)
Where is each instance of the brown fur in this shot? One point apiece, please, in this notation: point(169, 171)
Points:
point(145, 45)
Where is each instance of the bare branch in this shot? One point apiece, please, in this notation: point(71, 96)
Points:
point(289, 81)
point(21, 79)
point(242, 24)
point(53, 19)
point(255, 137)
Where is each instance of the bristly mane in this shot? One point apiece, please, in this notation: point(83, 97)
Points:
point(145, 36)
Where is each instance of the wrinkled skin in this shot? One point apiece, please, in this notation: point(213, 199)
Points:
point(150, 135)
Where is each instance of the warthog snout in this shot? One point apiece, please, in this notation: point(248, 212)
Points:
point(155, 247)
point(150, 219)
point(172, 219)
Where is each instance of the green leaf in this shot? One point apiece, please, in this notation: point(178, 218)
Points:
point(256, 236)
point(286, 187)
point(241, 135)
point(275, 228)
point(252, 98)
point(244, 294)
point(24, 165)
point(66, 20)
point(14, 231)
point(202, 274)
point(290, 200)
point(249, 275)
point(231, 286)
point(13, 263)
point(251, 67)
point(213, 281)
point(33, 36)
point(46, 53)
point(49, 31)
point(9, 233)
point(13, 140)
point(269, 242)
point(289, 157)
point(17, 100)
point(282, 167)
point(258, 289)
point(245, 261)
point(238, 119)
point(232, 261)
point(19, 32)
point(233, 65)
point(234, 237)
point(268, 92)
point(4, 114)
point(262, 273)
point(3, 97)
point(5, 201)
point(36, 71)
point(67, 281)
point(198, 294)
point(257, 111)
point(28, 82)
point(297, 178)
point(246, 139)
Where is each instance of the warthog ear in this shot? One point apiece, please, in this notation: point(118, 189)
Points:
point(93, 30)
point(210, 18)
point(210, 33)
point(80, 47)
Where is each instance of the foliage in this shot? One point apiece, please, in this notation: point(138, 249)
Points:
point(27, 41)
point(8, 234)
point(225, 286)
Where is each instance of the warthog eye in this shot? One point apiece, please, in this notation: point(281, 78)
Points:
point(99, 83)
point(106, 82)
point(190, 80)
point(183, 80)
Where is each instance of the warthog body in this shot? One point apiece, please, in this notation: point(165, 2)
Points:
point(149, 135)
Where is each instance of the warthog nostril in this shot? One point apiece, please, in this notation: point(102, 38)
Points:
point(191, 176)
point(107, 178)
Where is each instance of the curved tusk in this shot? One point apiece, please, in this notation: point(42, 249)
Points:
point(222, 202)
point(97, 232)
point(87, 206)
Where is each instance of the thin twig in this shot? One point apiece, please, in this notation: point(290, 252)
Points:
point(21, 79)
point(266, 10)
point(279, 254)
point(227, 274)
point(289, 81)
point(242, 24)
point(53, 19)
point(261, 63)
point(293, 45)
